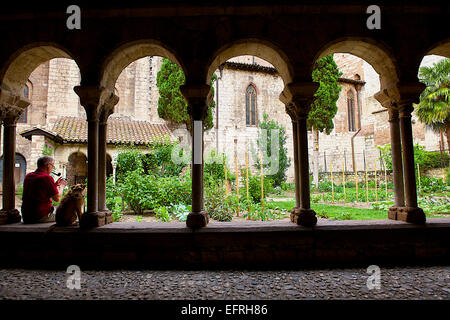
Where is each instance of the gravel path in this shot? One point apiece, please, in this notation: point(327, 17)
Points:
point(396, 283)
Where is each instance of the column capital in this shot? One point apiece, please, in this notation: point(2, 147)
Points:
point(11, 106)
point(198, 97)
point(303, 96)
point(296, 113)
point(107, 108)
point(401, 94)
point(92, 98)
point(298, 97)
point(409, 93)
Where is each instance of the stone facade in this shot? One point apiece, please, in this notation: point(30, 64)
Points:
point(51, 92)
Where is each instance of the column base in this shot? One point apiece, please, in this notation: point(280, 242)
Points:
point(294, 209)
point(411, 215)
point(10, 216)
point(304, 217)
point(108, 216)
point(392, 213)
point(197, 220)
point(92, 220)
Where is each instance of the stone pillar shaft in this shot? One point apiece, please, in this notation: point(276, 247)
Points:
point(9, 160)
point(303, 164)
point(397, 167)
point(197, 167)
point(102, 166)
point(198, 97)
point(296, 169)
point(92, 196)
point(409, 171)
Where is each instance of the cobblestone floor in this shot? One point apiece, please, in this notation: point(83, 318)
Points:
point(396, 283)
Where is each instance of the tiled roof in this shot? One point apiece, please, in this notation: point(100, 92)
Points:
point(120, 131)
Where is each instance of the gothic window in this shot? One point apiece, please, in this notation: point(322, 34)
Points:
point(351, 111)
point(250, 106)
point(26, 94)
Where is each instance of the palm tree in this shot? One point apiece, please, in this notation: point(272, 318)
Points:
point(434, 109)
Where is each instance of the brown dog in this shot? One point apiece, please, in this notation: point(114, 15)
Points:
point(71, 206)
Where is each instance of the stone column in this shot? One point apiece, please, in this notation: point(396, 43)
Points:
point(114, 166)
point(92, 98)
point(290, 110)
point(106, 111)
point(397, 166)
point(411, 212)
point(197, 97)
point(11, 108)
point(302, 97)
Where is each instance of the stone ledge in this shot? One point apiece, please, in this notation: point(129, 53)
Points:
point(276, 244)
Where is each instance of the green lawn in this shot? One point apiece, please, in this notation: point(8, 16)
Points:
point(338, 212)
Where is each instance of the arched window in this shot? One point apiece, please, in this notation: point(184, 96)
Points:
point(351, 111)
point(250, 106)
point(26, 94)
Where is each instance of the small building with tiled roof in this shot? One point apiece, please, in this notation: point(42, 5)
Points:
point(67, 141)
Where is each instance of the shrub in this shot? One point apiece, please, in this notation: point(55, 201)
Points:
point(425, 159)
point(159, 160)
point(285, 186)
point(254, 187)
point(433, 160)
point(257, 212)
point(214, 167)
point(219, 206)
point(430, 184)
point(264, 146)
point(180, 211)
point(162, 214)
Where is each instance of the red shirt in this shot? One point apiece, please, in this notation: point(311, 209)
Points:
point(38, 189)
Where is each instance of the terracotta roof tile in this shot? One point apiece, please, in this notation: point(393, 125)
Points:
point(73, 129)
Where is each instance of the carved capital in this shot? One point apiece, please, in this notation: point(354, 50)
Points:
point(386, 97)
point(92, 98)
point(303, 95)
point(409, 93)
point(296, 113)
point(298, 97)
point(198, 98)
point(11, 106)
point(108, 108)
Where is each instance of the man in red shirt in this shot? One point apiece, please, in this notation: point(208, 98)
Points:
point(39, 189)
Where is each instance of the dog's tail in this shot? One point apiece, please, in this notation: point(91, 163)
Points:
point(51, 228)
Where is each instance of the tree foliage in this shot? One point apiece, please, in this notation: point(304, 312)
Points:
point(434, 108)
point(324, 108)
point(172, 105)
point(283, 161)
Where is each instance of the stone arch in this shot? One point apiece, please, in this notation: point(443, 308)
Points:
point(15, 72)
point(77, 168)
point(255, 47)
point(378, 55)
point(125, 54)
point(441, 48)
